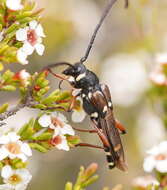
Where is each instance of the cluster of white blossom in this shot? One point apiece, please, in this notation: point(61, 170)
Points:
point(58, 123)
point(157, 158)
point(31, 35)
point(11, 147)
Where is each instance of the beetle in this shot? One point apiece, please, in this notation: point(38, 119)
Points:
point(97, 102)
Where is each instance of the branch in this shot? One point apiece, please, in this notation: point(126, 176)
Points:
point(12, 111)
point(27, 101)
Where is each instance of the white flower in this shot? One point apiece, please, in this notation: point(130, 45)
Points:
point(127, 70)
point(57, 122)
point(12, 147)
point(161, 58)
point(22, 56)
point(15, 179)
point(157, 158)
point(78, 114)
point(31, 36)
point(158, 76)
point(144, 181)
point(23, 76)
point(60, 142)
point(45, 120)
point(14, 4)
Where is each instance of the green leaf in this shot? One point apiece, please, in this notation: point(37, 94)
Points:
point(38, 147)
point(73, 140)
point(3, 108)
point(68, 186)
point(90, 181)
point(44, 136)
point(27, 131)
point(8, 88)
point(1, 67)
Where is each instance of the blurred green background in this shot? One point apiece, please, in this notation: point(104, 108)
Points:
point(123, 56)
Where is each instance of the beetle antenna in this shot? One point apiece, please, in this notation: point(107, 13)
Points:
point(57, 65)
point(104, 15)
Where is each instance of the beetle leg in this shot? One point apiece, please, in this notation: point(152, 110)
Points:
point(57, 75)
point(120, 127)
point(101, 135)
point(89, 145)
point(84, 130)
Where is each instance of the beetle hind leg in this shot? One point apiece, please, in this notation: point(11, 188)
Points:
point(119, 126)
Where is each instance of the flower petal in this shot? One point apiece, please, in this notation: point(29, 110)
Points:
point(13, 137)
point(63, 145)
point(3, 153)
point(28, 48)
point(62, 118)
point(21, 34)
point(4, 139)
point(39, 30)
point(14, 4)
point(163, 147)
point(45, 120)
point(5, 187)
point(33, 24)
point(25, 174)
point(40, 48)
point(161, 166)
point(67, 129)
point(6, 171)
point(25, 148)
point(22, 57)
point(149, 164)
point(78, 116)
point(57, 131)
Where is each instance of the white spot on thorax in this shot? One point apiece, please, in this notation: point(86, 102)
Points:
point(110, 104)
point(79, 77)
point(89, 95)
point(95, 115)
point(83, 95)
point(104, 109)
point(108, 153)
point(111, 164)
point(71, 79)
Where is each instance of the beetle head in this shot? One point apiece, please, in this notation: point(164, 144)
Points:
point(75, 70)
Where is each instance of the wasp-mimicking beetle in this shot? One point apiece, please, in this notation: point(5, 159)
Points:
point(97, 102)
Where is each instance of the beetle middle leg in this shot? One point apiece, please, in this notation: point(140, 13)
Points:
point(84, 130)
point(89, 145)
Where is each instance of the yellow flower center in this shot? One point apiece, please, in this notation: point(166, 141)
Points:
point(15, 179)
point(13, 148)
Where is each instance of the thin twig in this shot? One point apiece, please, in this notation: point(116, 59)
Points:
point(11, 112)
